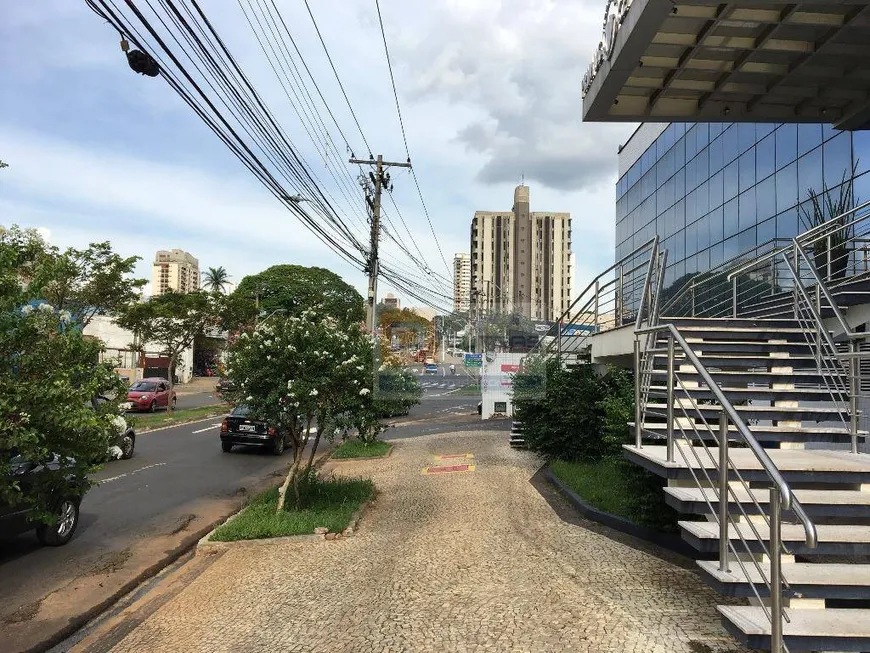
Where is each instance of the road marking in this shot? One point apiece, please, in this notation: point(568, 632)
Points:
point(208, 428)
point(141, 469)
point(447, 469)
point(450, 456)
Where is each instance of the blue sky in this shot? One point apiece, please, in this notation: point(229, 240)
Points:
point(489, 91)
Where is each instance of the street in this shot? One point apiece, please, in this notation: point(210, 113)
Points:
point(152, 507)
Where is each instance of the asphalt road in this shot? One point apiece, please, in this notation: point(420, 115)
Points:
point(178, 483)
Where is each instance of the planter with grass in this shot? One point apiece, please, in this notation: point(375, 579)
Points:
point(330, 503)
point(355, 449)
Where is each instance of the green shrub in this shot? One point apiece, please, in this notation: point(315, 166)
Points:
point(398, 390)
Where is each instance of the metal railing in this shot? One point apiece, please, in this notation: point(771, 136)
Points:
point(685, 418)
point(622, 294)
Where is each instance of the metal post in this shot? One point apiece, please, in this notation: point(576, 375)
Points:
point(723, 491)
point(828, 260)
point(692, 294)
point(670, 427)
point(797, 280)
point(596, 302)
point(854, 387)
point(638, 409)
point(776, 644)
point(734, 297)
point(620, 300)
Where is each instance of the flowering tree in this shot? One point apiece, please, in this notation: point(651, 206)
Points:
point(307, 370)
point(48, 374)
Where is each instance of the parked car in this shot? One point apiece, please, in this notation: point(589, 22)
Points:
point(239, 427)
point(224, 385)
point(149, 394)
point(125, 442)
point(430, 368)
point(65, 498)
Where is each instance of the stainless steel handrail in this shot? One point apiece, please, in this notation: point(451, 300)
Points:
point(789, 502)
point(808, 236)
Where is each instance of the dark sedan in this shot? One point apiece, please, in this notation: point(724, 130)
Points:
point(239, 427)
point(64, 498)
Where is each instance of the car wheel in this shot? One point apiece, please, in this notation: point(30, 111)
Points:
point(226, 447)
point(153, 407)
point(278, 446)
point(128, 443)
point(60, 532)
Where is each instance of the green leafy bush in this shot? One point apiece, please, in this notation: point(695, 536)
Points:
point(398, 390)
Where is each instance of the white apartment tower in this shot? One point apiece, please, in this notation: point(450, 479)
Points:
point(521, 261)
point(175, 269)
point(461, 282)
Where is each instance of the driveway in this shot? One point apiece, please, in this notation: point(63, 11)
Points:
point(457, 561)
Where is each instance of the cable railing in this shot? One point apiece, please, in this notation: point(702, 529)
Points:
point(619, 296)
point(714, 472)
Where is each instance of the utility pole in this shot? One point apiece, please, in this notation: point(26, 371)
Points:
point(379, 178)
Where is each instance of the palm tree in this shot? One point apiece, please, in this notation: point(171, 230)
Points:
point(216, 279)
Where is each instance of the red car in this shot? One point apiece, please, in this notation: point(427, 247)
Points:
point(149, 394)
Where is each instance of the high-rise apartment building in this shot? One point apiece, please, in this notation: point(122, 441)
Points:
point(175, 269)
point(521, 261)
point(461, 282)
point(391, 301)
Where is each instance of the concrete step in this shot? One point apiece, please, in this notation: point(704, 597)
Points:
point(741, 361)
point(807, 630)
point(765, 393)
point(795, 465)
point(709, 346)
point(816, 503)
point(733, 377)
point(762, 433)
point(733, 323)
point(834, 539)
point(796, 414)
point(805, 580)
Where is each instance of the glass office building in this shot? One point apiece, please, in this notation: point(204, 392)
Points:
point(713, 191)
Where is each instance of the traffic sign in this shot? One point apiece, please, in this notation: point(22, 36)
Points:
point(473, 360)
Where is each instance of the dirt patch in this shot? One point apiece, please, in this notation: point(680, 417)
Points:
point(183, 523)
point(110, 562)
point(699, 647)
point(24, 613)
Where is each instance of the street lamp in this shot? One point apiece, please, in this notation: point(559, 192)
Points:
point(263, 313)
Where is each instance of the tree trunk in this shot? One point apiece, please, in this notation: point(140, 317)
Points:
point(171, 375)
point(314, 448)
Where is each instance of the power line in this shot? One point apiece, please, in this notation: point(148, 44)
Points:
point(404, 136)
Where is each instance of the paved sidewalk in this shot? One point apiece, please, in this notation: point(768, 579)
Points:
point(468, 561)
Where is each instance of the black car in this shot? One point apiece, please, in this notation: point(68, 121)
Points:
point(64, 500)
point(240, 428)
point(224, 385)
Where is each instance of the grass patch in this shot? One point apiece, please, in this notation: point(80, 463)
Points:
point(470, 389)
point(325, 502)
point(601, 484)
point(355, 448)
point(166, 418)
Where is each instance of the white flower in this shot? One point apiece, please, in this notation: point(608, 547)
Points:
point(65, 317)
point(27, 310)
point(248, 398)
point(48, 308)
point(120, 423)
point(313, 393)
point(364, 391)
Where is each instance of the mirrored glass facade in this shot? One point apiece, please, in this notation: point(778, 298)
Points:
point(713, 191)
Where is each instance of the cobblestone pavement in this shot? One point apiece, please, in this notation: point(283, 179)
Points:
point(473, 561)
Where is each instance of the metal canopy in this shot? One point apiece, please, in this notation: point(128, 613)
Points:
point(733, 61)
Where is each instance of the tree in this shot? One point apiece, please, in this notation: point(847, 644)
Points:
point(172, 321)
point(89, 282)
point(302, 370)
point(48, 373)
point(295, 289)
point(216, 279)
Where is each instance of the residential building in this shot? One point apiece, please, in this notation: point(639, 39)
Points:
point(391, 301)
point(461, 282)
point(713, 191)
point(175, 269)
point(521, 261)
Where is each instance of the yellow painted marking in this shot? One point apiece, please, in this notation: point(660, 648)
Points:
point(447, 469)
point(453, 456)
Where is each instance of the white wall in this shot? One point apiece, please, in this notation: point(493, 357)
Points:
point(496, 382)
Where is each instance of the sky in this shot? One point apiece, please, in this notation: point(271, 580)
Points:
point(489, 91)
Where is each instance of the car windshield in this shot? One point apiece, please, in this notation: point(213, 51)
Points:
point(241, 411)
point(143, 386)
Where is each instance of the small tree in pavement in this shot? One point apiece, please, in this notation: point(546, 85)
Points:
point(300, 371)
point(172, 321)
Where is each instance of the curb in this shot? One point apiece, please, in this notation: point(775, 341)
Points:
point(359, 458)
point(671, 541)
